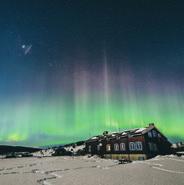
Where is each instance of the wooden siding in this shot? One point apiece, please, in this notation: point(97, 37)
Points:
point(135, 145)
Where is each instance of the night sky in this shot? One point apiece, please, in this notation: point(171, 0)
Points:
point(70, 69)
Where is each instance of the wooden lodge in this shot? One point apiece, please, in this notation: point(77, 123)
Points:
point(134, 144)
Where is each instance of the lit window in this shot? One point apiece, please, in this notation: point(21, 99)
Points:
point(132, 146)
point(116, 147)
point(108, 147)
point(122, 147)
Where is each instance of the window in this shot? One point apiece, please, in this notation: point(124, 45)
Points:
point(154, 133)
point(132, 146)
point(89, 148)
point(149, 134)
point(138, 146)
point(135, 146)
point(153, 147)
point(141, 158)
point(108, 147)
point(116, 147)
point(150, 146)
point(122, 147)
point(99, 146)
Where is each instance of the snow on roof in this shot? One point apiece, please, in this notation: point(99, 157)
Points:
point(124, 133)
point(140, 130)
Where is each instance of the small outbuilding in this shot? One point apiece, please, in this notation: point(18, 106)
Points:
point(134, 144)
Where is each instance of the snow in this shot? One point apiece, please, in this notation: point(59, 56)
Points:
point(140, 130)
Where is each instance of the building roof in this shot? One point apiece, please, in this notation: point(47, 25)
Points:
point(124, 133)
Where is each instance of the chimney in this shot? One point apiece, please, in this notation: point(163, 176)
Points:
point(105, 133)
point(151, 124)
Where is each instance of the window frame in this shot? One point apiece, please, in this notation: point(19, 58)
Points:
point(89, 148)
point(154, 133)
point(139, 146)
point(116, 147)
point(108, 147)
point(150, 134)
point(132, 146)
point(122, 148)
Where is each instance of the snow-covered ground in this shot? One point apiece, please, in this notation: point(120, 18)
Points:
point(162, 170)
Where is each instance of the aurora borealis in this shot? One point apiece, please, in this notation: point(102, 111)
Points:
point(91, 67)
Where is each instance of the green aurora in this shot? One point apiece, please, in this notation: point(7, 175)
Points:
point(57, 120)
